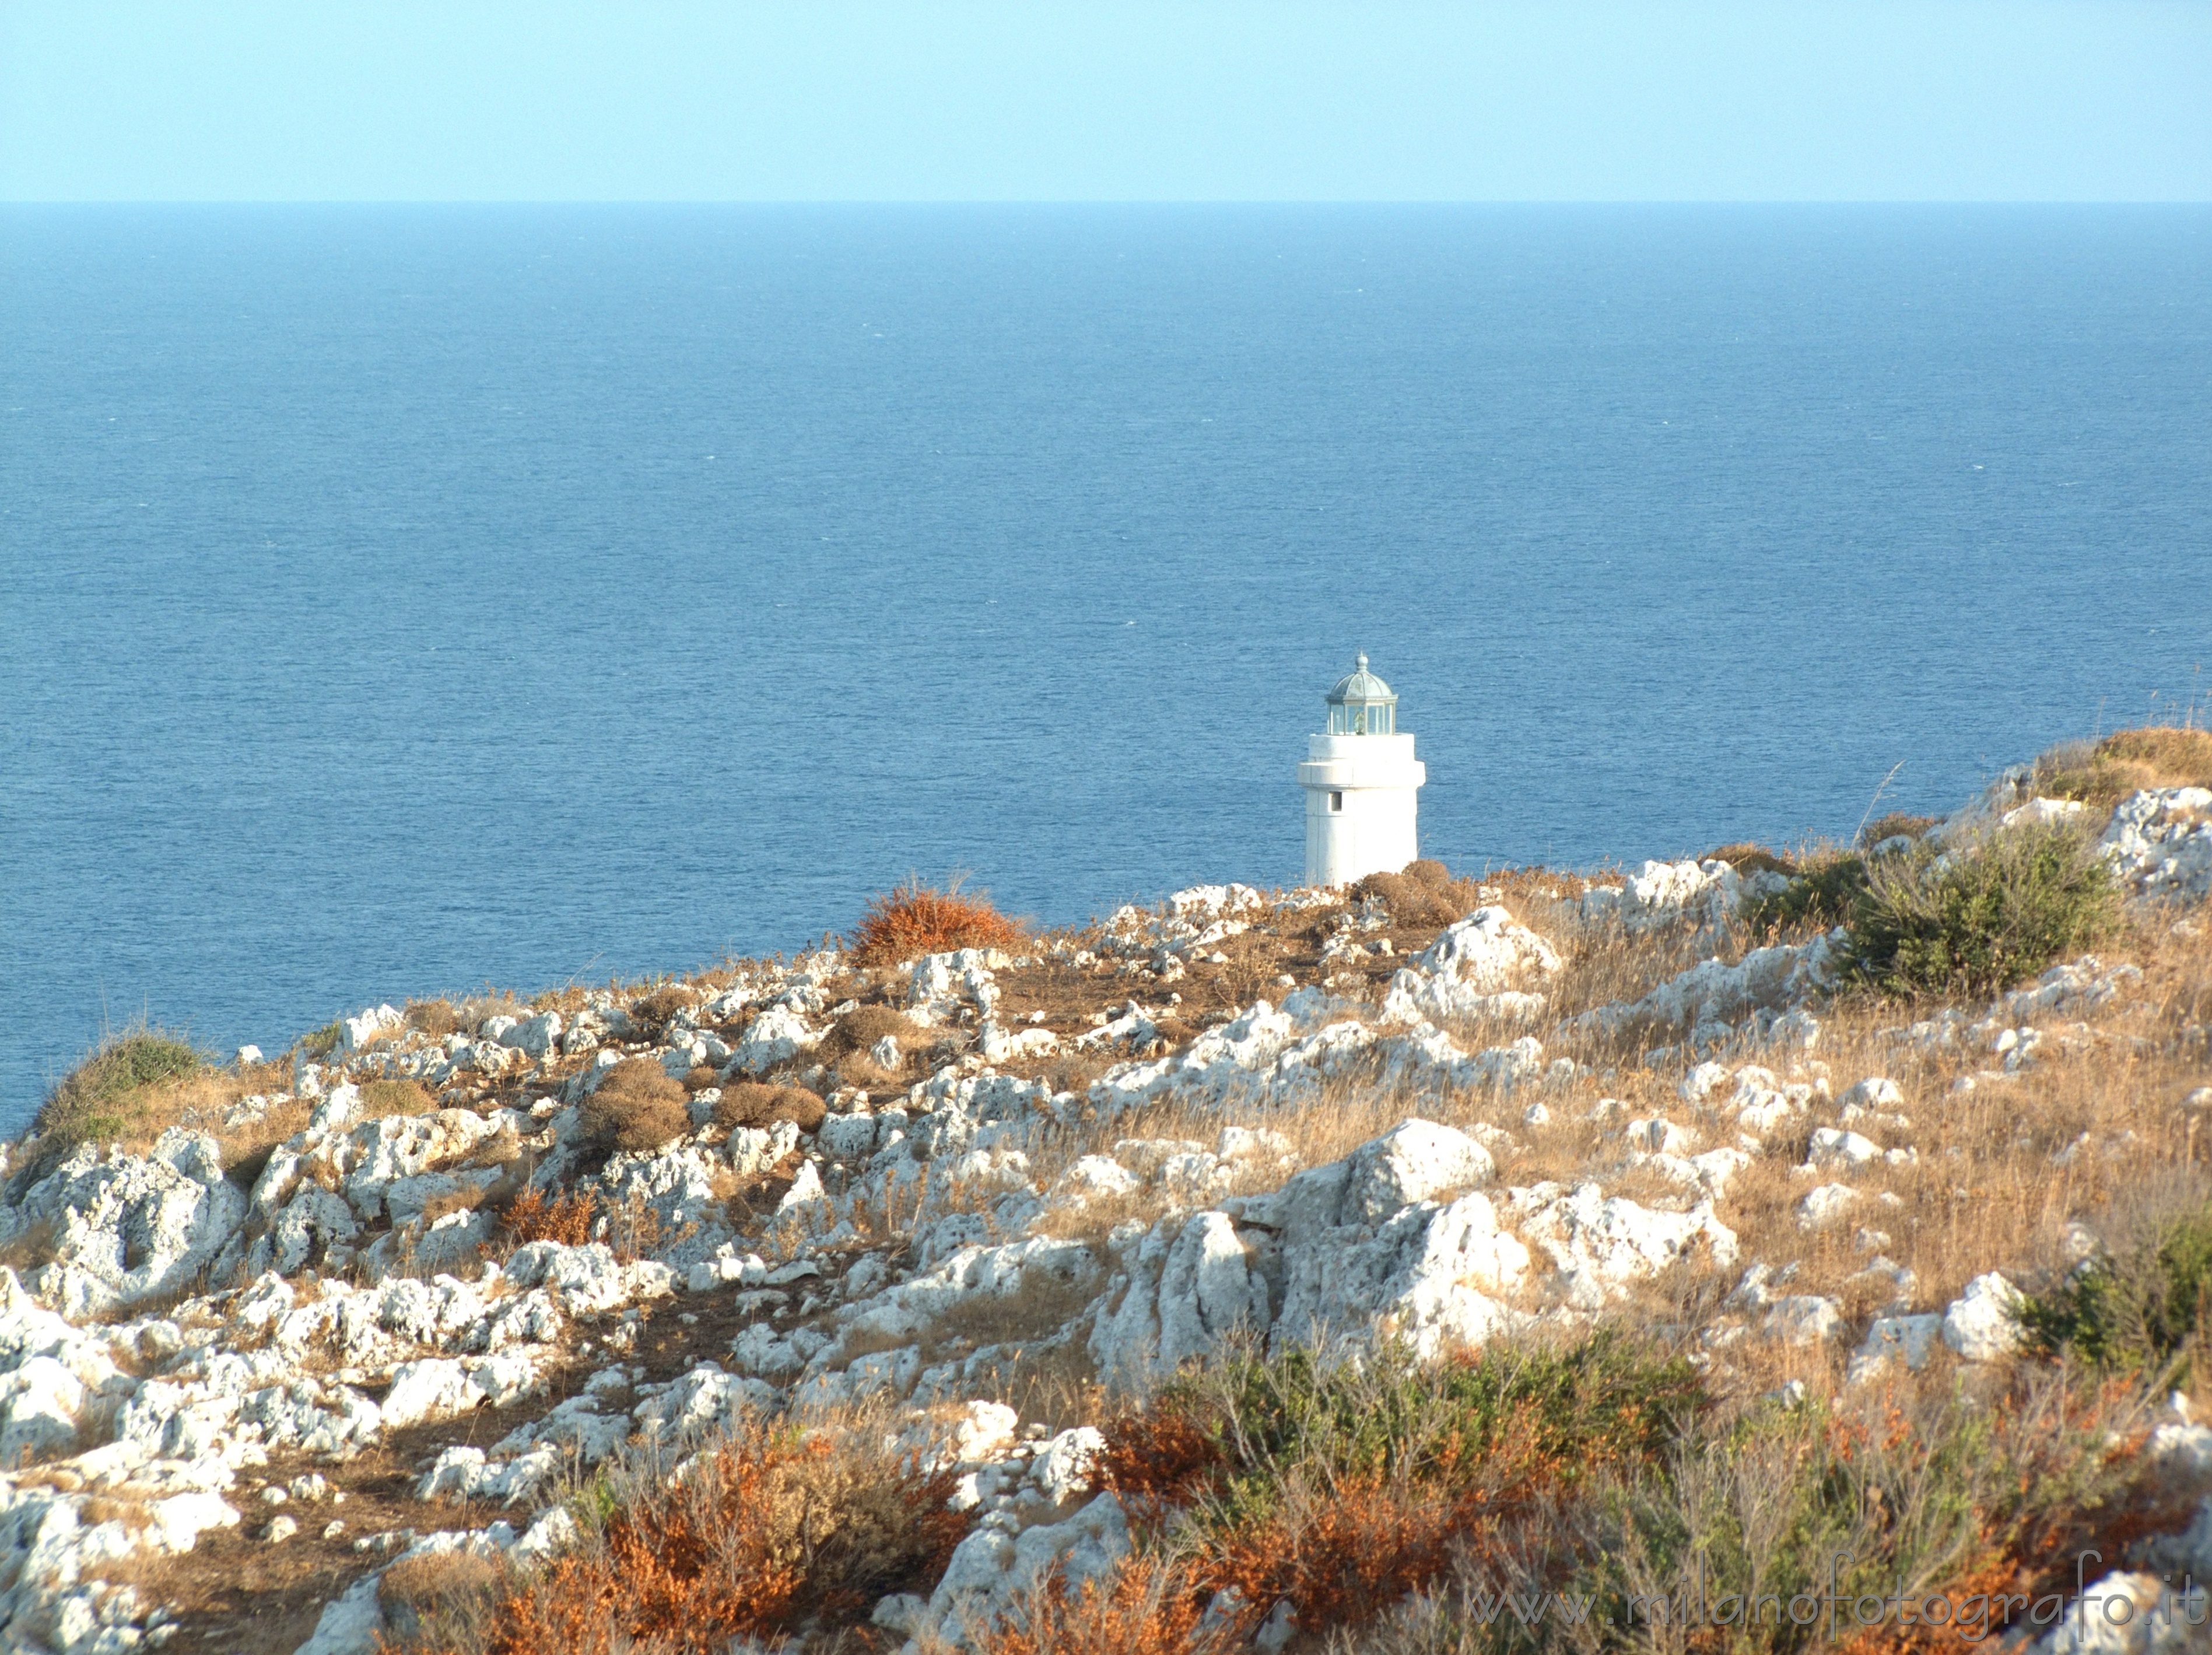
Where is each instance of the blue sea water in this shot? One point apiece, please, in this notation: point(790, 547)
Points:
point(397, 600)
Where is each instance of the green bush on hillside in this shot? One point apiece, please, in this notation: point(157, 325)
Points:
point(1824, 897)
point(2139, 1309)
point(1980, 918)
point(102, 1097)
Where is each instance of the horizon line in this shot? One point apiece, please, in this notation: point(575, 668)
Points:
point(1106, 201)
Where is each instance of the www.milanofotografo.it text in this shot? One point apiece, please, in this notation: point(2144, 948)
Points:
point(1840, 1613)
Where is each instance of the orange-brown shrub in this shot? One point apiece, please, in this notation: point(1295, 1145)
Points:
point(752, 1102)
point(768, 1529)
point(637, 1106)
point(566, 1218)
point(916, 920)
point(1145, 1607)
point(1159, 1454)
point(1342, 1555)
point(436, 1017)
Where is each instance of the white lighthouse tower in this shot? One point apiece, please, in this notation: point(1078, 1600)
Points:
point(1360, 776)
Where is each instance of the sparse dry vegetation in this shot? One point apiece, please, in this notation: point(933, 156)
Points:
point(1385, 1504)
point(2100, 774)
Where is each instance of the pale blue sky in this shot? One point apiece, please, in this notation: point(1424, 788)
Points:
point(1198, 100)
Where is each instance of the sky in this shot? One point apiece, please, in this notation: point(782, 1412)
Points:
point(1111, 100)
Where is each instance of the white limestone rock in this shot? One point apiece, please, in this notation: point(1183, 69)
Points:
point(776, 1035)
point(1597, 1244)
point(1823, 1206)
point(1876, 1092)
point(1339, 1252)
point(705, 1399)
point(39, 1403)
point(1489, 951)
point(1833, 1148)
point(2160, 843)
point(125, 1226)
point(357, 1033)
point(992, 1567)
point(1803, 1319)
point(1982, 1324)
point(534, 1036)
point(1709, 997)
point(1909, 1339)
point(1412, 1161)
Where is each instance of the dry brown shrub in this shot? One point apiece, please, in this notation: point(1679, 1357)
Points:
point(769, 1529)
point(916, 920)
point(380, 1098)
point(567, 1219)
point(1341, 1554)
point(1144, 1608)
point(859, 1029)
point(1745, 857)
point(637, 1107)
point(436, 1017)
point(699, 1079)
point(757, 1104)
point(654, 1009)
point(1897, 824)
point(1414, 902)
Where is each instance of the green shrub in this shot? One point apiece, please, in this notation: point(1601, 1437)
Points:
point(1826, 896)
point(105, 1095)
point(1924, 1495)
point(2142, 1309)
point(1240, 1430)
point(1982, 917)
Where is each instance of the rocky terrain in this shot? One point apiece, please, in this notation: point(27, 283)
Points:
point(280, 1337)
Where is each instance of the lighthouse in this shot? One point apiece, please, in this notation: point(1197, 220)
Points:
point(1360, 776)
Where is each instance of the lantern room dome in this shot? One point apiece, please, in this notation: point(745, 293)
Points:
point(1361, 704)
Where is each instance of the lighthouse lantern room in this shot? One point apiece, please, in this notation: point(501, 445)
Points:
point(1360, 777)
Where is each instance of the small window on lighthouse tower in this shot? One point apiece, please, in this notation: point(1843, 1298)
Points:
point(1336, 801)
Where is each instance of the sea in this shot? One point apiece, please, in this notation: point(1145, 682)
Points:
point(406, 599)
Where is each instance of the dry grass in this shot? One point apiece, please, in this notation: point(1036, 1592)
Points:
point(2103, 773)
point(916, 920)
point(443, 1600)
point(381, 1098)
